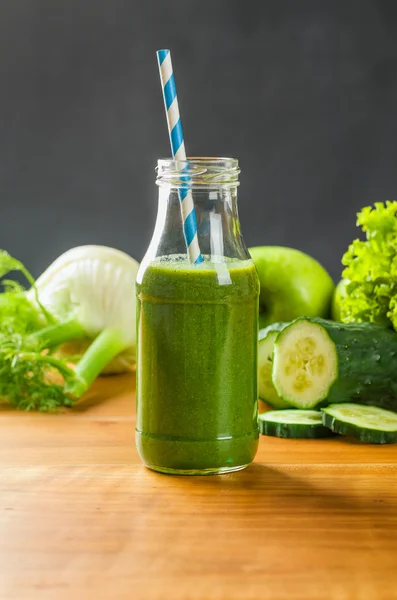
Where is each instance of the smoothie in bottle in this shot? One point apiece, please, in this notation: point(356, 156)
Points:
point(197, 330)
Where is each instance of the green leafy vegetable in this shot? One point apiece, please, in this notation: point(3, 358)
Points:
point(30, 378)
point(371, 268)
point(17, 313)
point(14, 298)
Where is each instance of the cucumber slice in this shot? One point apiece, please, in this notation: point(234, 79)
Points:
point(266, 389)
point(305, 363)
point(366, 423)
point(293, 424)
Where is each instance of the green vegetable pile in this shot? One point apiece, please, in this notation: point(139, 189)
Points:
point(371, 268)
point(84, 300)
point(345, 367)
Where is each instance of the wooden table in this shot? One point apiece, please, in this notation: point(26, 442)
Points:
point(81, 518)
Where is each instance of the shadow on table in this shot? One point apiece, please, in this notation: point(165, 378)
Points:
point(106, 390)
point(294, 490)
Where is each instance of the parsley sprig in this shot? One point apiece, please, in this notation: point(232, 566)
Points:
point(31, 378)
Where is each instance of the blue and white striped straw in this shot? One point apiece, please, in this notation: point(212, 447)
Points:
point(179, 153)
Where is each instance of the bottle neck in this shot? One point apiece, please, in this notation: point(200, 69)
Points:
point(218, 225)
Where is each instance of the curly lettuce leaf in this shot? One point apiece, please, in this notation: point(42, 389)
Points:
point(371, 268)
point(17, 313)
point(13, 299)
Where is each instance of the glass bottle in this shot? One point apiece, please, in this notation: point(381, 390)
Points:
point(197, 327)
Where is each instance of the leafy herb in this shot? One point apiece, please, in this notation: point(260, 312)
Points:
point(30, 377)
point(371, 268)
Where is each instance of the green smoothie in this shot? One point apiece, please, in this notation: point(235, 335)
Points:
point(197, 365)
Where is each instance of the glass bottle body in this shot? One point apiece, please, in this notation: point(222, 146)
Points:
point(197, 330)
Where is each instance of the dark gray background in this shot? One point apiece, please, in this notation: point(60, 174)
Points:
point(303, 92)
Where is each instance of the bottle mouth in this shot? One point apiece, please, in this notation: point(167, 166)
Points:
point(198, 171)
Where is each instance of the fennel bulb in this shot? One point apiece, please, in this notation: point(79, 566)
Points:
point(90, 290)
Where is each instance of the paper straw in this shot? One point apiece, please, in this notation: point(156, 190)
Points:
point(179, 154)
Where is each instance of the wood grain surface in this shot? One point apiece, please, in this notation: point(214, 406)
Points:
point(82, 519)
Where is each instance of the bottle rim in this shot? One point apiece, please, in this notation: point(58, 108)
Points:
point(209, 171)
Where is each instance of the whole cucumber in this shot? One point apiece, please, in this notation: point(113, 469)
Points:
point(318, 362)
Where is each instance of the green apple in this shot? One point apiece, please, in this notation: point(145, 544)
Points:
point(293, 285)
point(339, 294)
